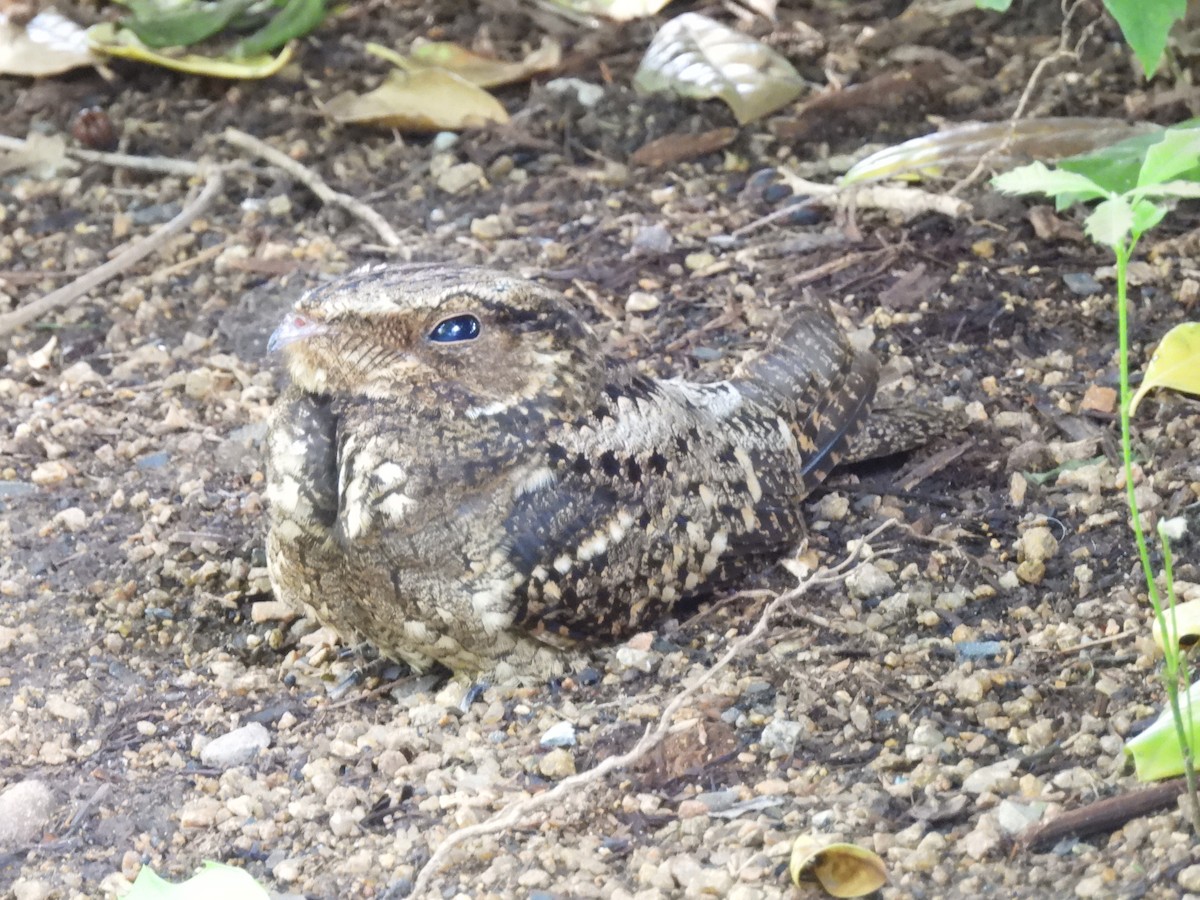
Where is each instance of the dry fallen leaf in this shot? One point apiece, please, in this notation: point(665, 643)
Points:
point(430, 100)
point(695, 56)
point(1003, 143)
point(48, 44)
point(43, 156)
point(481, 71)
point(843, 870)
point(673, 148)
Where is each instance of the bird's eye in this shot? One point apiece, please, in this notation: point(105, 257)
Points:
point(454, 329)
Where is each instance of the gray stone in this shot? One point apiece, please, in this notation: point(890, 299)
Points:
point(781, 735)
point(25, 809)
point(236, 748)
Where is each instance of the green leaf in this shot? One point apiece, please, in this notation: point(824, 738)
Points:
point(994, 5)
point(1172, 190)
point(1178, 152)
point(1117, 168)
point(162, 25)
point(1156, 751)
point(1146, 25)
point(1037, 178)
point(214, 880)
point(1110, 223)
point(1175, 363)
point(296, 19)
point(1146, 214)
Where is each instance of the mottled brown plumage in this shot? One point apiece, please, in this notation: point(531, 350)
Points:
point(458, 474)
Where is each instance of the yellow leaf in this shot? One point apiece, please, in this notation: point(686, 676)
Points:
point(481, 71)
point(1186, 628)
point(106, 38)
point(430, 100)
point(843, 870)
point(1175, 364)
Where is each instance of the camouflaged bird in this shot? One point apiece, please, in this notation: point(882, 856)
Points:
point(457, 473)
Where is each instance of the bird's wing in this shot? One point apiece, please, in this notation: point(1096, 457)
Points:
point(653, 497)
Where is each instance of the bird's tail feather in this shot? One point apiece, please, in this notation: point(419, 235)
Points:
point(816, 381)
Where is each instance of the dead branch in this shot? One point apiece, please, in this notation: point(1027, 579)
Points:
point(314, 183)
point(161, 164)
point(1102, 816)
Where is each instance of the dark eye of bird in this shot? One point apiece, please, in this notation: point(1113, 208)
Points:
point(454, 329)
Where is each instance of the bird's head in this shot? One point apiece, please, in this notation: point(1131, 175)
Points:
point(479, 339)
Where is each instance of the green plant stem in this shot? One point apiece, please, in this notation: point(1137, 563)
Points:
point(1171, 655)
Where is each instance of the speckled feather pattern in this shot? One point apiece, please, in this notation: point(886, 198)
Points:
point(498, 504)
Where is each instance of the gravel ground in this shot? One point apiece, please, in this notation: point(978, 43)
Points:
point(976, 673)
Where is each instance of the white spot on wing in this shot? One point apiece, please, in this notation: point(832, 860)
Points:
point(395, 506)
point(751, 476)
point(390, 473)
point(494, 408)
point(535, 480)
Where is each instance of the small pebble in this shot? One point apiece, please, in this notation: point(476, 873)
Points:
point(25, 809)
point(1081, 284)
point(652, 239)
point(558, 763)
point(641, 302)
point(236, 747)
point(868, 580)
point(585, 92)
point(50, 473)
point(457, 178)
point(560, 734)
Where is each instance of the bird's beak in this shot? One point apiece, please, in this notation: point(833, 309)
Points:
point(294, 327)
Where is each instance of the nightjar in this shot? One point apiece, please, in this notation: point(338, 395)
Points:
point(457, 473)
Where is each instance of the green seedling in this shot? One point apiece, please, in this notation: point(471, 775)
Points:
point(1129, 206)
point(214, 880)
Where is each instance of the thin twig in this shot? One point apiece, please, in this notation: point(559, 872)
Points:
point(162, 164)
point(515, 812)
point(314, 183)
point(1101, 816)
point(1064, 51)
point(908, 202)
point(139, 250)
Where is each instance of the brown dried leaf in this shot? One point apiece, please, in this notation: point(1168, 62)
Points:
point(674, 148)
point(481, 71)
point(858, 109)
point(1049, 226)
point(432, 100)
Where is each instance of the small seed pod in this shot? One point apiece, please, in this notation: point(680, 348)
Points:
point(94, 129)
